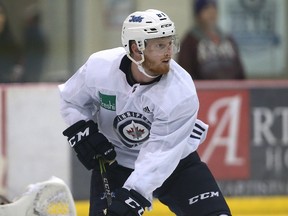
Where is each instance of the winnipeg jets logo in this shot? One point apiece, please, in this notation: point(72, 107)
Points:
point(135, 132)
point(134, 18)
point(132, 128)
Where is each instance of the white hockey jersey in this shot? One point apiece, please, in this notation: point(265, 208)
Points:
point(149, 124)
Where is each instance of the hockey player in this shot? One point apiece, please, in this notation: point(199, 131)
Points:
point(138, 106)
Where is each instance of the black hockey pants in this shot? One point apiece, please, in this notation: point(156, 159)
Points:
point(190, 190)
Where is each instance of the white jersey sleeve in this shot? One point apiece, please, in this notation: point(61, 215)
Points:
point(167, 145)
point(77, 103)
point(79, 95)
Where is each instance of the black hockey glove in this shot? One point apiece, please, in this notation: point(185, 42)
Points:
point(128, 203)
point(87, 142)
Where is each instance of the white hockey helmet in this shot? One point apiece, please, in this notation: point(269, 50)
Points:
point(142, 25)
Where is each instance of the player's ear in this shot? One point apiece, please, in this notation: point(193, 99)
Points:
point(135, 52)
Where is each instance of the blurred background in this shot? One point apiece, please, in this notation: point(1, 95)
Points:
point(43, 42)
point(68, 31)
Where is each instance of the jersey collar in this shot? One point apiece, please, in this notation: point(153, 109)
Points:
point(125, 67)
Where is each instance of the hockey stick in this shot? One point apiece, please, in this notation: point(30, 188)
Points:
point(106, 186)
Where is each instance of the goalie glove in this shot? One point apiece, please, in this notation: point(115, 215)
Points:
point(88, 143)
point(128, 203)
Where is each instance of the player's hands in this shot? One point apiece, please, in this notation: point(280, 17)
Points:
point(87, 142)
point(128, 203)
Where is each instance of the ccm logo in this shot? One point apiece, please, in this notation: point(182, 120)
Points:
point(133, 204)
point(78, 137)
point(203, 196)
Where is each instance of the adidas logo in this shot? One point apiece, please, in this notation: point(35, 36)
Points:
point(146, 109)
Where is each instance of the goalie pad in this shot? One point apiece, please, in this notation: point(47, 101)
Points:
point(48, 198)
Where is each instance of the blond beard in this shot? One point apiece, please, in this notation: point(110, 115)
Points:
point(150, 66)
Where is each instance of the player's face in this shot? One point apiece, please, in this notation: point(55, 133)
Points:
point(158, 53)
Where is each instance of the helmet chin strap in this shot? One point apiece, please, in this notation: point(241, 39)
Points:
point(140, 68)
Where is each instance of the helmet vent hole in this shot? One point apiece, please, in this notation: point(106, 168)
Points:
point(163, 19)
point(152, 31)
point(149, 22)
